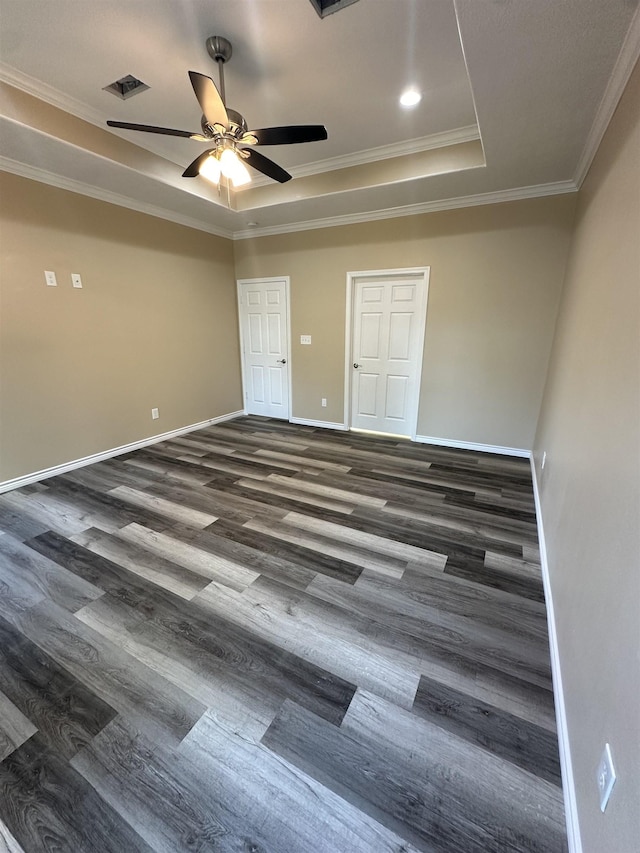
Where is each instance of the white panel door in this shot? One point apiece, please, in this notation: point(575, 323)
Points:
point(389, 312)
point(263, 309)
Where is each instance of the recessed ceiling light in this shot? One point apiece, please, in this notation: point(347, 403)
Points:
point(410, 98)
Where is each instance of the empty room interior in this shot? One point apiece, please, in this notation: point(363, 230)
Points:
point(320, 426)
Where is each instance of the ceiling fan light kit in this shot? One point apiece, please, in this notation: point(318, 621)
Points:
point(211, 169)
point(233, 168)
point(227, 129)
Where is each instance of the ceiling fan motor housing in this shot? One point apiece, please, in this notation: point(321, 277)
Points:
point(237, 125)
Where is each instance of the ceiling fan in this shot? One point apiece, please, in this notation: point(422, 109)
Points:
point(227, 130)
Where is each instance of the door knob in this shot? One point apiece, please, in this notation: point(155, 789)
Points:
point(355, 364)
point(282, 361)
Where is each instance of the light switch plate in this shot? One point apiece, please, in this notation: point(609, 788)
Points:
point(155, 414)
point(50, 278)
point(606, 777)
point(305, 339)
point(76, 281)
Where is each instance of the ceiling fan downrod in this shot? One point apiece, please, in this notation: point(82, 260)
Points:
point(219, 48)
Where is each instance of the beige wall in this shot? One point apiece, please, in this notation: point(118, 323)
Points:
point(496, 276)
point(590, 487)
point(154, 325)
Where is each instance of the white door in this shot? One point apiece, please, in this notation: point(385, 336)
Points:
point(389, 315)
point(264, 323)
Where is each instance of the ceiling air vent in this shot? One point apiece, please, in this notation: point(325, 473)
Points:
point(126, 87)
point(327, 7)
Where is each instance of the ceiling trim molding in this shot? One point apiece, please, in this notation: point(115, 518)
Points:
point(625, 63)
point(517, 194)
point(470, 133)
point(61, 182)
point(45, 92)
point(386, 152)
point(469, 80)
point(50, 95)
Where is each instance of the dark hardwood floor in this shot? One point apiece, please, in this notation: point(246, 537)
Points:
point(268, 637)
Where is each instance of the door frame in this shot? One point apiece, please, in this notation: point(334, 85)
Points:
point(265, 280)
point(422, 274)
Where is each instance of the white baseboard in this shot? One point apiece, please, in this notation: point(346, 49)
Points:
point(568, 783)
point(321, 424)
point(469, 445)
point(17, 482)
point(421, 439)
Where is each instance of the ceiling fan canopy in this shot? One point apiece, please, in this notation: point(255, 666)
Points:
point(227, 131)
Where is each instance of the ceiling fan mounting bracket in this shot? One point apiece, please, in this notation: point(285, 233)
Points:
point(219, 48)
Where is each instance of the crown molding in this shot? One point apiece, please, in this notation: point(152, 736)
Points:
point(517, 194)
point(625, 63)
point(386, 152)
point(64, 183)
point(382, 152)
point(45, 92)
point(469, 80)
point(45, 177)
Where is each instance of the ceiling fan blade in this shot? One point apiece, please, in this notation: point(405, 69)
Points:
point(266, 166)
point(166, 131)
point(289, 135)
point(211, 103)
point(193, 169)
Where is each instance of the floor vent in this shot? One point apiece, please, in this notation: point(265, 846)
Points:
point(126, 87)
point(327, 7)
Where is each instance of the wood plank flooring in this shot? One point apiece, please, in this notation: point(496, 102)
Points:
point(273, 638)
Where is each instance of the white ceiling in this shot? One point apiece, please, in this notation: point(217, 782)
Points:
point(511, 97)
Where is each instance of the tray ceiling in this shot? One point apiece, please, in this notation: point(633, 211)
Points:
point(510, 95)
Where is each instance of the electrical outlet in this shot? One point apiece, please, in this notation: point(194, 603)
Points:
point(305, 339)
point(76, 281)
point(324, 402)
point(50, 278)
point(606, 777)
point(155, 414)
